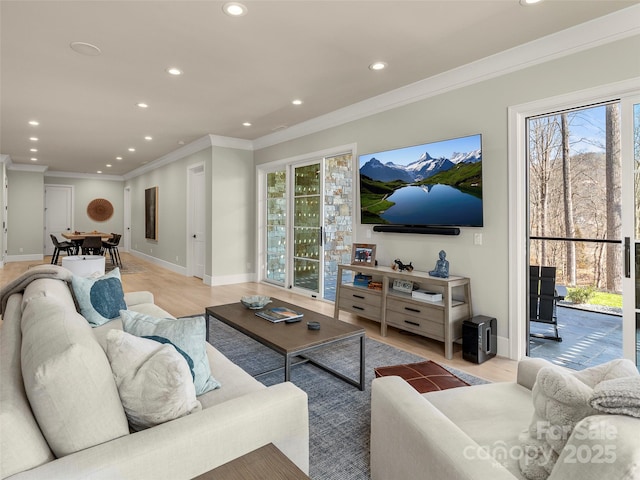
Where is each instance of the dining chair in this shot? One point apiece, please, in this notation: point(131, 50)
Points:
point(111, 246)
point(92, 246)
point(67, 247)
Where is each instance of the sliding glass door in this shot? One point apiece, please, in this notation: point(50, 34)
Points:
point(308, 224)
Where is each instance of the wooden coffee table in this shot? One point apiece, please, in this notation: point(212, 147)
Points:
point(292, 339)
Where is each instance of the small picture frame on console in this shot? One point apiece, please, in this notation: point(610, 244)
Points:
point(363, 254)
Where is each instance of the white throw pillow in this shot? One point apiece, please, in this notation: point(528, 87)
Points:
point(561, 399)
point(153, 379)
point(188, 334)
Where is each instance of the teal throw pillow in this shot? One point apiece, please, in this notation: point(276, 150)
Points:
point(187, 334)
point(100, 299)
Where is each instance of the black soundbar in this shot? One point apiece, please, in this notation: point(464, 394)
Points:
point(417, 229)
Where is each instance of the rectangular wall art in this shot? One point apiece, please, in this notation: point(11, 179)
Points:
point(151, 213)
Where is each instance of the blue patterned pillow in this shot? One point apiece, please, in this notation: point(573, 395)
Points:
point(100, 299)
point(186, 334)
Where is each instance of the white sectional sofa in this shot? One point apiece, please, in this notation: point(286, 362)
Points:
point(88, 425)
point(476, 432)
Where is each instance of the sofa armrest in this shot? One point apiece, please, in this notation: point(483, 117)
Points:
point(528, 370)
point(601, 446)
point(410, 438)
point(191, 445)
point(136, 298)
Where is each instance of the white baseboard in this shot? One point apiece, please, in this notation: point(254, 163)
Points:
point(34, 257)
point(161, 263)
point(229, 279)
point(503, 347)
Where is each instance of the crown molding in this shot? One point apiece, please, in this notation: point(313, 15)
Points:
point(600, 31)
point(27, 168)
point(230, 142)
point(86, 176)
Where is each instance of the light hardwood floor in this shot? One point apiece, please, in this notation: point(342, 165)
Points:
point(180, 295)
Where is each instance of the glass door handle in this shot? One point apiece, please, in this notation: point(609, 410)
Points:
point(627, 257)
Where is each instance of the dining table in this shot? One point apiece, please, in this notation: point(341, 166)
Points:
point(80, 236)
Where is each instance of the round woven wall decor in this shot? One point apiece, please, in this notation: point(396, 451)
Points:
point(100, 210)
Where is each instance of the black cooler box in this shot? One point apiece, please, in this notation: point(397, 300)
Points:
point(479, 339)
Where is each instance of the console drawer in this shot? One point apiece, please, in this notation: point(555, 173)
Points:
point(420, 325)
point(417, 310)
point(360, 301)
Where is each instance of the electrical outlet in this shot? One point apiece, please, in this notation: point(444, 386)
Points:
point(177, 258)
point(21, 250)
point(477, 239)
point(151, 250)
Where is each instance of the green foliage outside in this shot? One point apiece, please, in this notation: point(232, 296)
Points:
point(593, 297)
point(580, 294)
point(606, 299)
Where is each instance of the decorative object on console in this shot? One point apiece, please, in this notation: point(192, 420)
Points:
point(364, 254)
point(426, 295)
point(361, 280)
point(398, 265)
point(442, 266)
point(375, 286)
point(401, 285)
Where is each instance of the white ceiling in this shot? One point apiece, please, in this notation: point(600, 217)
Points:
point(241, 69)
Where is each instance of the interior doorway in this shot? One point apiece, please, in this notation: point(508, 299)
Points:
point(58, 214)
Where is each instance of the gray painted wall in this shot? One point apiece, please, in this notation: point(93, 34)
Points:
point(25, 204)
point(479, 108)
point(86, 190)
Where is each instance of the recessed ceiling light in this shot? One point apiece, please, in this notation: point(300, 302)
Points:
point(180, 142)
point(378, 66)
point(247, 124)
point(131, 149)
point(118, 158)
point(142, 105)
point(34, 159)
point(84, 48)
point(34, 150)
point(108, 165)
point(99, 171)
point(526, 3)
point(234, 9)
point(33, 139)
point(174, 71)
point(297, 102)
point(34, 123)
point(148, 138)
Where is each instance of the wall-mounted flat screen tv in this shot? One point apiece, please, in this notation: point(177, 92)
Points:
point(434, 184)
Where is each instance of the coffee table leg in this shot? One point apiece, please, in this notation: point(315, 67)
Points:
point(287, 367)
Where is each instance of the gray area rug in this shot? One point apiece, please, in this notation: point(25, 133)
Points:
point(339, 414)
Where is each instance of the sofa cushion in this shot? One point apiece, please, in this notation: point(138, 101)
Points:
point(100, 299)
point(153, 379)
point(22, 445)
point(187, 333)
point(68, 379)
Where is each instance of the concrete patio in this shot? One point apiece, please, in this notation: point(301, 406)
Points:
point(588, 338)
